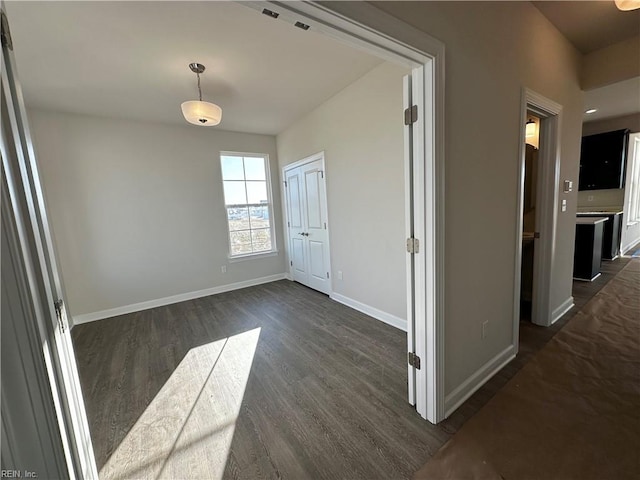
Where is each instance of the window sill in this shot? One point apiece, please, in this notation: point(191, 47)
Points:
point(253, 256)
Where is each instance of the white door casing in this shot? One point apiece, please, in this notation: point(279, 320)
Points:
point(550, 114)
point(395, 41)
point(307, 223)
point(46, 291)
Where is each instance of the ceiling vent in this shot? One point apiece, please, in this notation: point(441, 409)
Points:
point(303, 26)
point(270, 13)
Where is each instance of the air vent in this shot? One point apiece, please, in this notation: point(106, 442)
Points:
point(270, 13)
point(303, 26)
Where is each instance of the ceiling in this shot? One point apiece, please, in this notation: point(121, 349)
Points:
point(591, 25)
point(130, 60)
point(622, 98)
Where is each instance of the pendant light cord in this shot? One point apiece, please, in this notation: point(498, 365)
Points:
point(199, 89)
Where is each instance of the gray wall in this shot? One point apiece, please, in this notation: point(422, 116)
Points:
point(493, 50)
point(137, 208)
point(360, 130)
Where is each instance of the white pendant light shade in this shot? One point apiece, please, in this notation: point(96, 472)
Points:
point(201, 113)
point(197, 112)
point(626, 5)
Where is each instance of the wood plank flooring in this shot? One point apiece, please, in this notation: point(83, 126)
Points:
point(325, 391)
point(273, 381)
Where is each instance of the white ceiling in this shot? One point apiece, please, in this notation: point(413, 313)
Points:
point(130, 60)
point(614, 100)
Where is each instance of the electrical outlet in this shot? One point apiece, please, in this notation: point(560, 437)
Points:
point(339, 274)
point(223, 269)
point(485, 326)
point(590, 198)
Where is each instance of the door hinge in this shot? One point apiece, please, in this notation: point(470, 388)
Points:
point(413, 245)
point(321, 174)
point(414, 360)
point(288, 224)
point(325, 225)
point(57, 305)
point(327, 274)
point(411, 115)
point(536, 234)
point(291, 262)
point(285, 183)
point(6, 33)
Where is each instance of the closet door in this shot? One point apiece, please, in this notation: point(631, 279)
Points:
point(307, 224)
point(296, 227)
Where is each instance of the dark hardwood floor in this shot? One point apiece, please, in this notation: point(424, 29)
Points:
point(311, 389)
point(325, 396)
point(532, 339)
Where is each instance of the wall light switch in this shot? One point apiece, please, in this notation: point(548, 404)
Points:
point(568, 186)
point(564, 205)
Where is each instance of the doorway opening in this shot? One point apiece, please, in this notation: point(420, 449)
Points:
point(427, 210)
point(537, 209)
point(529, 232)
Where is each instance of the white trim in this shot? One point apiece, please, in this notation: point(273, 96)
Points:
point(161, 302)
point(562, 309)
point(479, 378)
point(382, 34)
point(550, 114)
point(385, 317)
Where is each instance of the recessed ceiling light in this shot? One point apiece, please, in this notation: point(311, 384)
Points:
point(591, 110)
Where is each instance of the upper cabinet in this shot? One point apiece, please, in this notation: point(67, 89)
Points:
point(602, 160)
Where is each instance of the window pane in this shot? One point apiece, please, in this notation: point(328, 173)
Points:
point(240, 243)
point(232, 168)
point(238, 218)
point(234, 193)
point(254, 168)
point(257, 192)
point(261, 240)
point(259, 217)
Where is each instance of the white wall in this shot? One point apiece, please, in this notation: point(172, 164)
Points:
point(361, 132)
point(493, 50)
point(137, 208)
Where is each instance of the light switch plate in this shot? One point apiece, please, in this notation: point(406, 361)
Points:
point(564, 205)
point(568, 186)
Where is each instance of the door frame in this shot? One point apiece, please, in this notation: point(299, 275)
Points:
point(43, 288)
point(402, 43)
point(398, 42)
point(550, 114)
point(285, 209)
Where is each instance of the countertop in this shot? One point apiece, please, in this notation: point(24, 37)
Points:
point(590, 220)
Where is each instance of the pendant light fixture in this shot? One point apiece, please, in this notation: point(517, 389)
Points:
point(627, 5)
point(197, 112)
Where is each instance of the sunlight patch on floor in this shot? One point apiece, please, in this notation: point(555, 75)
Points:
point(186, 431)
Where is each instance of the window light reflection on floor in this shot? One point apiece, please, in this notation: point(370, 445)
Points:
point(186, 431)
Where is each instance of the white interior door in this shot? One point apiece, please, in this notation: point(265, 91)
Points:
point(296, 227)
point(308, 224)
point(37, 251)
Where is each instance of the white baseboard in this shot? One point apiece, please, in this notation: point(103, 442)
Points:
point(458, 396)
point(371, 311)
point(160, 302)
point(561, 310)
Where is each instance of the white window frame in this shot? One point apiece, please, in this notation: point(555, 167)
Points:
point(633, 206)
point(267, 165)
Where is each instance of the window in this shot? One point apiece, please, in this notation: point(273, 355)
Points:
point(247, 198)
point(633, 208)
